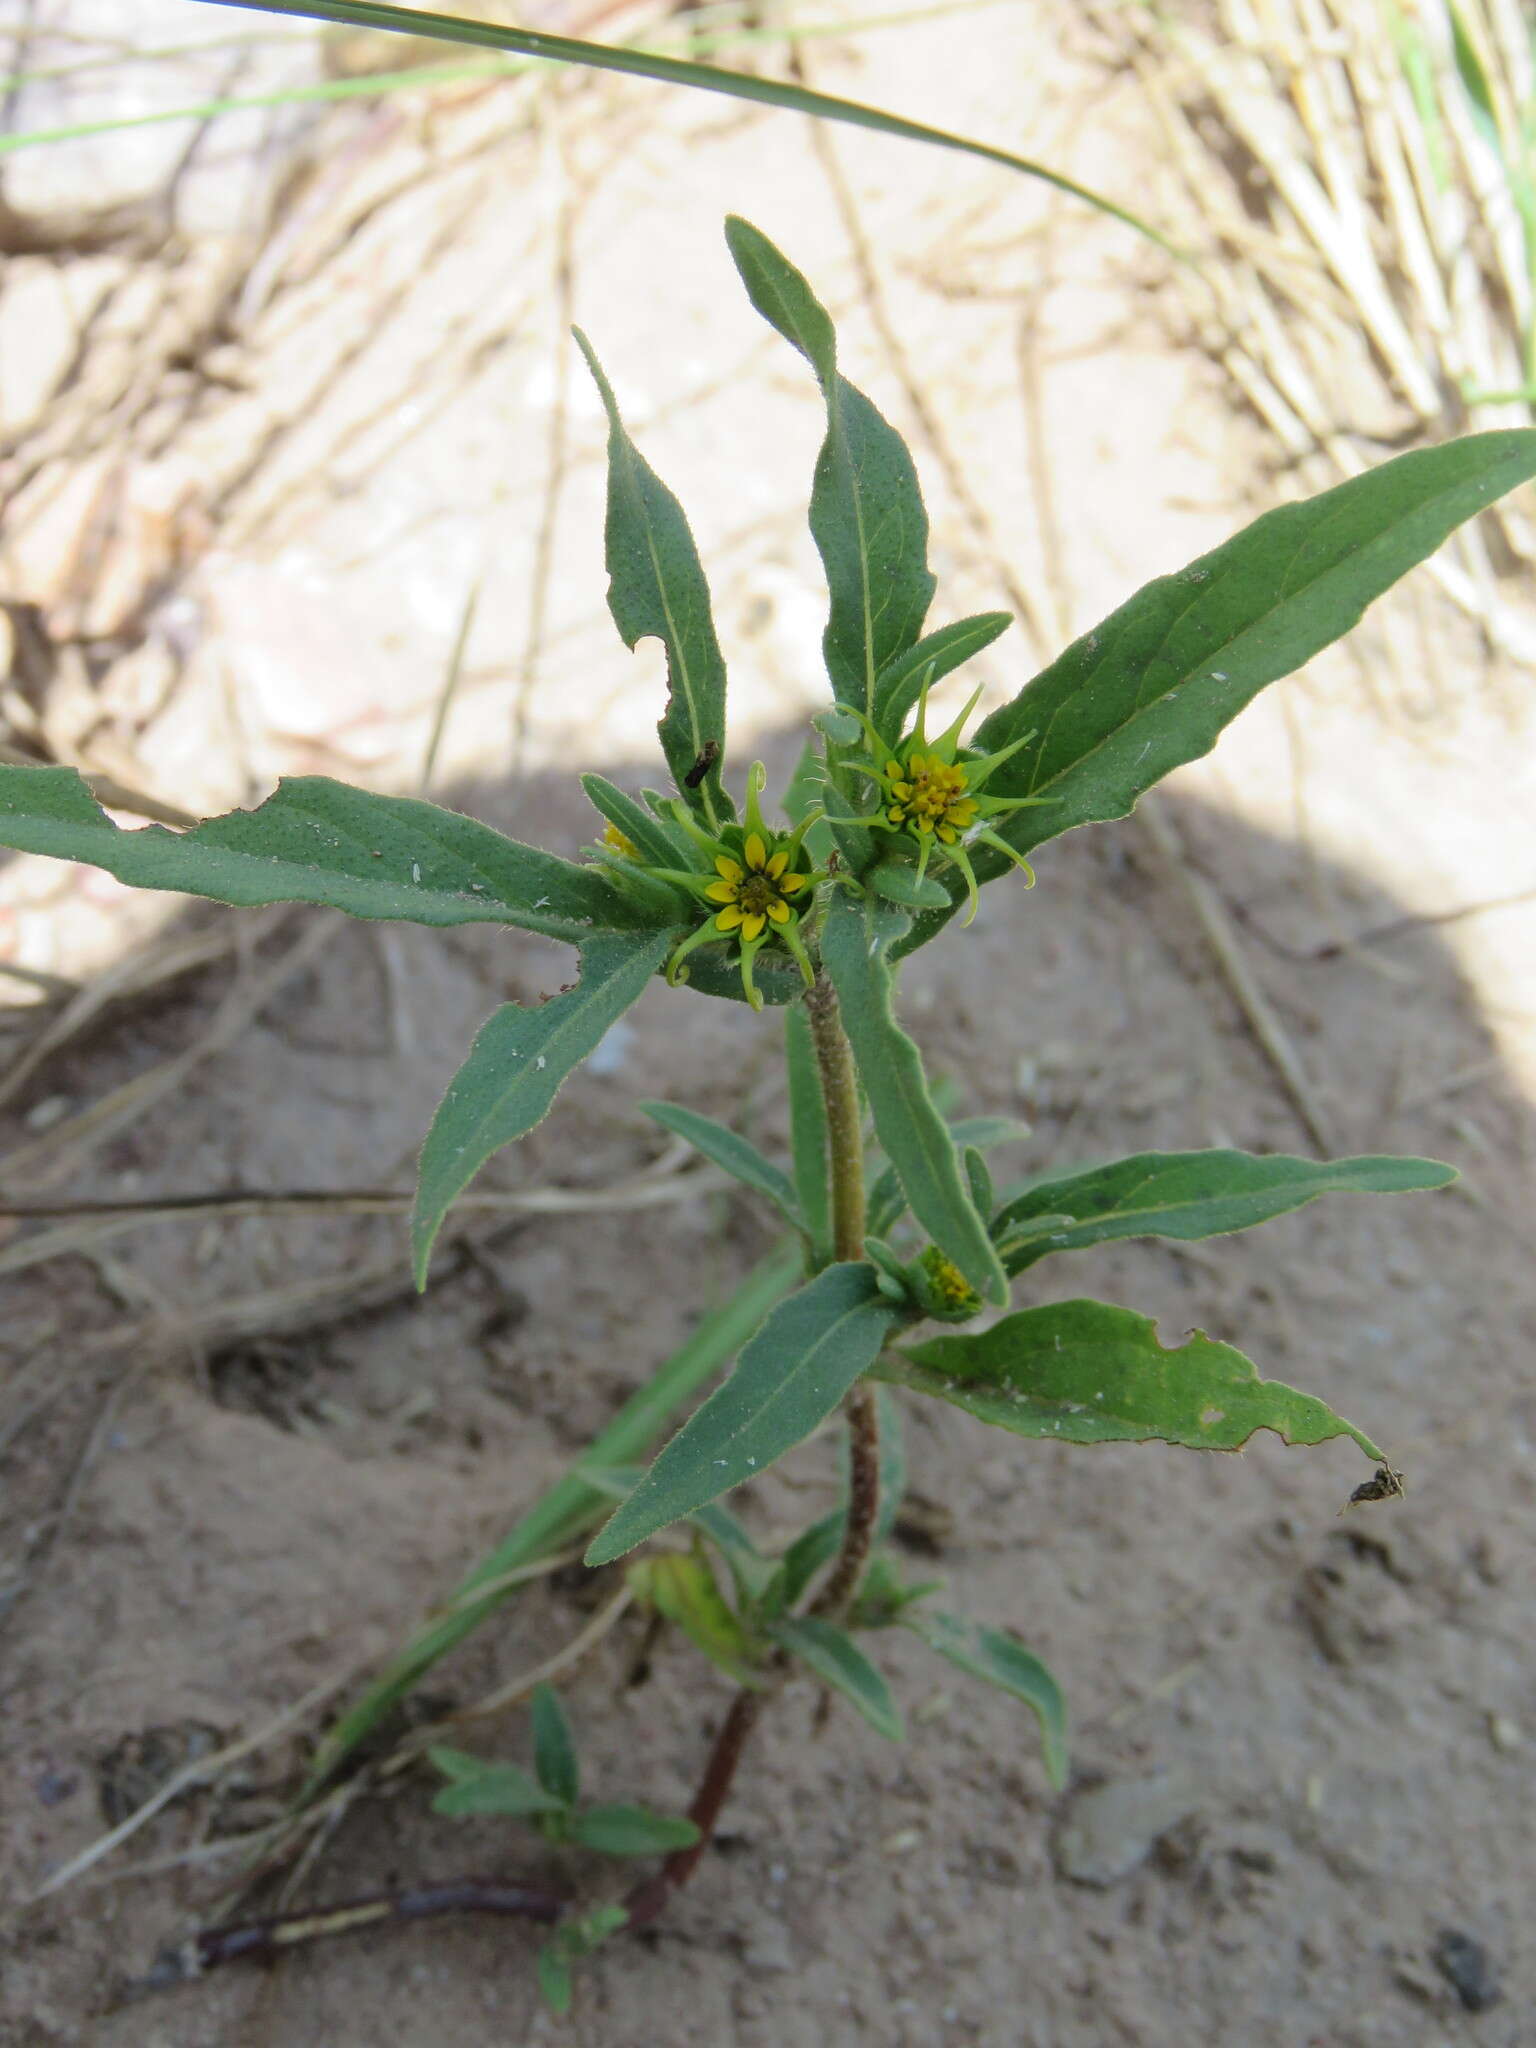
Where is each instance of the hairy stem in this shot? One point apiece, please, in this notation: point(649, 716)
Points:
point(845, 1134)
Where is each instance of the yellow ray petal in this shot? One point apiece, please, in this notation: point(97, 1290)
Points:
point(754, 849)
point(722, 892)
point(779, 912)
point(752, 924)
point(732, 870)
point(777, 863)
point(729, 918)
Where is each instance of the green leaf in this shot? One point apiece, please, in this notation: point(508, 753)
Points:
point(748, 1567)
point(1187, 1195)
point(788, 1380)
point(1083, 1372)
point(570, 1507)
point(476, 1787)
point(657, 842)
point(1154, 685)
point(715, 78)
point(838, 1661)
point(1474, 79)
point(656, 590)
point(318, 841)
point(993, 1656)
point(887, 1203)
point(901, 682)
point(681, 1587)
point(812, 1550)
point(808, 1132)
point(979, 1180)
point(514, 1070)
point(632, 1831)
point(912, 1134)
point(899, 882)
point(867, 514)
point(555, 1985)
point(735, 1154)
point(554, 1753)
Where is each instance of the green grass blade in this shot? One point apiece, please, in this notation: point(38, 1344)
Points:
point(771, 92)
point(571, 1507)
point(324, 842)
point(789, 1379)
point(514, 1070)
point(1084, 1372)
point(912, 1133)
point(657, 590)
point(1188, 1195)
point(838, 1661)
point(867, 514)
point(1156, 683)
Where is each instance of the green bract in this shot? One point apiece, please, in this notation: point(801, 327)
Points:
point(888, 832)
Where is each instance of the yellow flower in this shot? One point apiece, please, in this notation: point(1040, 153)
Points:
point(950, 1286)
point(754, 890)
point(929, 794)
point(619, 842)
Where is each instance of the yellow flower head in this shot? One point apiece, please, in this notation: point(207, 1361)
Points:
point(951, 1292)
point(619, 842)
point(929, 794)
point(757, 890)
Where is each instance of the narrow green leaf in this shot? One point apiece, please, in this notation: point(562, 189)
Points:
point(1083, 1372)
point(994, 1657)
point(661, 844)
point(476, 1787)
point(812, 1550)
point(656, 590)
point(514, 1070)
point(978, 1179)
point(632, 1831)
point(570, 1507)
point(901, 682)
point(715, 78)
point(788, 1380)
point(681, 1587)
point(748, 1567)
point(1154, 685)
point(318, 841)
point(838, 1661)
point(808, 1131)
point(986, 1132)
point(733, 1153)
point(554, 1753)
point(556, 1987)
point(1187, 1195)
point(867, 513)
point(911, 1131)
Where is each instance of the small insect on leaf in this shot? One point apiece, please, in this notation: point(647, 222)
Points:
point(1383, 1484)
point(701, 767)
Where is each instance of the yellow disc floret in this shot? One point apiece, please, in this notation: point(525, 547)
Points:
point(756, 890)
point(929, 794)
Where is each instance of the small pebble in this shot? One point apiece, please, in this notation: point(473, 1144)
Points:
point(1110, 1829)
point(1467, 1967)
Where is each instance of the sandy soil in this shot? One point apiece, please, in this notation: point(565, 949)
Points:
point(212, 1508)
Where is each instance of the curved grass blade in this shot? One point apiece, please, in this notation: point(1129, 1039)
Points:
point(788, 1380)
point(514, 1071)
point(657, 590)
point(1188, 1195)
point(1154, 685)
point(867, 512)
point(319, 841)
point(914, 1137)
point(838, 1661)
point(994, 1657)
point(572, 1506)
point(734, 1153)
point(741, 85)
point(1084, 1372)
